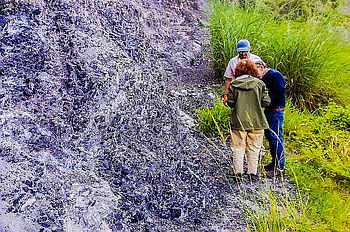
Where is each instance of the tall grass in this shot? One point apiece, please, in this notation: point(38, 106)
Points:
point(278, 211)
point(228, 24)
point(300, 10)
point(318, 160)
point(307, 52)
point(319, 151)
point(322, 139)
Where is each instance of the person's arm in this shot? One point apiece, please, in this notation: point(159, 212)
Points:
point(229, 74)
point(227, 86)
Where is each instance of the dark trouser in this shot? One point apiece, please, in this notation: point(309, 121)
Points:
point(275, 139)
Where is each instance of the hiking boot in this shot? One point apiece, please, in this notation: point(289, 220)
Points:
point(253, 178)
point(275, 173)
point(269, 167)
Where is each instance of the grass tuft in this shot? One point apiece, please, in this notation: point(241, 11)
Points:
point(215, 121)
point(310, 53)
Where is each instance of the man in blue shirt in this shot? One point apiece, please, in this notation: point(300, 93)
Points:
point(276, 84)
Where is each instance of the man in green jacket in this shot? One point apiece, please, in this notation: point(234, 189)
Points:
point(247, 95)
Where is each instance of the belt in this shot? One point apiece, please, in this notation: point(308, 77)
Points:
point(279, 109)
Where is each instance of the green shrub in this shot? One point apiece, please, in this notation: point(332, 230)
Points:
point(318, 148)
point(308, 53)
point(300, 10)
point(322, 138)
point(336, 116)
point(214, 121)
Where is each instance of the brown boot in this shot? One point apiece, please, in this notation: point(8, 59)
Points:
point(269, 167)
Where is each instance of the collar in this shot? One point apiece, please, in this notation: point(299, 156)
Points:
point(242, 77)
point(265, 72)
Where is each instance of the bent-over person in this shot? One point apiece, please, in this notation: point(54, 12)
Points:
point(276, 84)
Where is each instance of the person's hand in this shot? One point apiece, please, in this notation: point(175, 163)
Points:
point(224, 100)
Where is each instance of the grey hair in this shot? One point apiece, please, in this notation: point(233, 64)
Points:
point(261, 63)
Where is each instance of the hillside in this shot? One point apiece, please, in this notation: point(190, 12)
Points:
point(96, 119)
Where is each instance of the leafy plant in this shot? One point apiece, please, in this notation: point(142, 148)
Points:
point(323, 138)
point(214, 121)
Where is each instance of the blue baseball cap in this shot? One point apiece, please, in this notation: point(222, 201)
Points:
point(243, 45)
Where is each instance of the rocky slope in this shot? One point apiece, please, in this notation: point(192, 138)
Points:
point(97, 130)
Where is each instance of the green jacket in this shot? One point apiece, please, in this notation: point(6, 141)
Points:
point(247, 95)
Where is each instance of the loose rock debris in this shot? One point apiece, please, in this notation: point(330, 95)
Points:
point(97, 125)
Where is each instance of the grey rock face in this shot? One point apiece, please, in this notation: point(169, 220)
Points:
point(97, 129)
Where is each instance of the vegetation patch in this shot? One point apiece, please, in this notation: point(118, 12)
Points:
point(305, 41)
point(214, 122)
point(309, 52)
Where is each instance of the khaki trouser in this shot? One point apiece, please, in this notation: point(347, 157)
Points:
point(248, 142)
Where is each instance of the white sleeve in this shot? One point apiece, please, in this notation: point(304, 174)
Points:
point(230, 68)
point(255, 58)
